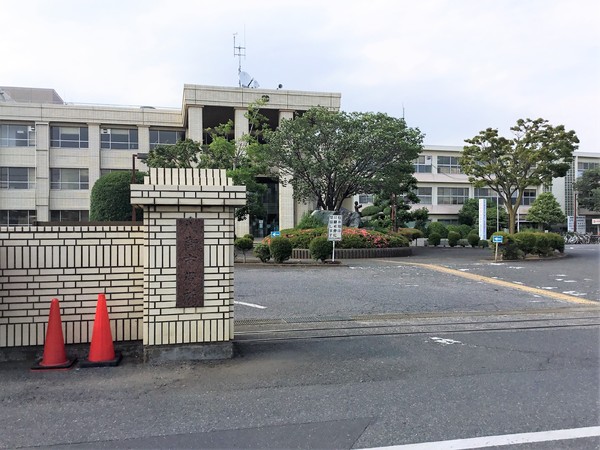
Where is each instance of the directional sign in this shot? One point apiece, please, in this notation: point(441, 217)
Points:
point(275, 233)
point(498, 239)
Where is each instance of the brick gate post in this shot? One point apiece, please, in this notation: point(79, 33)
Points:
point(188, 263)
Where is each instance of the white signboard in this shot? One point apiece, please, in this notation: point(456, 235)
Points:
point(334, 228)
point(580, 224)
point(482, 219)
point(595, 221)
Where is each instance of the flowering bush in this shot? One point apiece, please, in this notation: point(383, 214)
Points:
point(351, 238)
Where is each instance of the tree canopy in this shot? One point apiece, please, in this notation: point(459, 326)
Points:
point(536, 154)
point(588, 187)
point(329, 156)
point(546, 211)
point(110, 199)
point(243, 159)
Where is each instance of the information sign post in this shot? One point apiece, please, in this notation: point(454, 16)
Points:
point(334, 231)
point(497, 240)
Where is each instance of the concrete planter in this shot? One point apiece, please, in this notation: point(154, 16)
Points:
point(358, 253)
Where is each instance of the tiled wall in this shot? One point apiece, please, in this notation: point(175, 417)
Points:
point(135, 266)
point(73, 264)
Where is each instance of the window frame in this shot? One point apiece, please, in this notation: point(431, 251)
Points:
point(6, 141)
point(83, 182)
point(107, 142)
point(58, 141)
point(179, 136)
point(7, 183)
point(454, 197)
point(451, 167)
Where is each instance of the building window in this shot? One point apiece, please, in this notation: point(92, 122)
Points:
point(107, 171)
point(423, 164)
point(424, 194)
point(69, 137)
point(448, 164)
point(452, 196)
point(583, 166)
point(17, 217)
point(165, 137)
point(69, 179)
point(58, 215)
point(365, 198)
point(119, 138)
point(13, 135)
point(529, 196)
point(17, 178)
point(487, 194)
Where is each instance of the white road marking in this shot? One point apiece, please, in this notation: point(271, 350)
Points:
point(570, 281)
point(464, 270)
point(518, 282)
point(515, 267)
point(252, 305)
point(443, 341)
point(549, 287)
point(575, 293)
point(506, 439)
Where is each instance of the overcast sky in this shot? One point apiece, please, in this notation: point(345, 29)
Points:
point(452, 67)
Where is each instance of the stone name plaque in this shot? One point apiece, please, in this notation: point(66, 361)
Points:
point(190, 263)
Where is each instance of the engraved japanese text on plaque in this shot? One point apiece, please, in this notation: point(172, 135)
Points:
point(190, 263)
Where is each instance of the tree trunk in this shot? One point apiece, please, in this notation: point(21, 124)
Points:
point(512, 214)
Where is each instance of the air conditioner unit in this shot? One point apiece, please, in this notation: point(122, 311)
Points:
point(428, 159)
point(105, 131)
point(30, 128)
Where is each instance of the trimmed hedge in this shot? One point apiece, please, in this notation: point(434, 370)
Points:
point(320, 248)
point(519, 245)
point(110, 199)
point(281, 249)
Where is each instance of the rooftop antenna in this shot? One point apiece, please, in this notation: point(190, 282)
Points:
point(239, 51)
point(244, 78)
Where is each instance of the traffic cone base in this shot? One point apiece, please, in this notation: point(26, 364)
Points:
point(55, 357)
point(106, 363)
point(39, 366)
point(102, 352)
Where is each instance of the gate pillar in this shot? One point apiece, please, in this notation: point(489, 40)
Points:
point(188, 262)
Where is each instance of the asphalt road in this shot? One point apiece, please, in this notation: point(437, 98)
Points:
point(379, 353)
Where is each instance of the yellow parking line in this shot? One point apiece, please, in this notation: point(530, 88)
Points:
point(475, 277)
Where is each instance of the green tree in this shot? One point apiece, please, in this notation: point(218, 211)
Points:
point(330, 156)
point(182, 155)
point(243, 159)
point(110, 199)
point(536, 154)
point(546, 211)
point(588, 186)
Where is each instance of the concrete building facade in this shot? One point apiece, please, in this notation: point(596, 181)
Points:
point(52, 153)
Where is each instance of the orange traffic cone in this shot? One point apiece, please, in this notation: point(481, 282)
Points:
point(54, 356)
point(102, 352)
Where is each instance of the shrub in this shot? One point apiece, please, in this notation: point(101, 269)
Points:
point(509, 248)
point(465, 231)
point(320, 248)
point(281, 249)
point(526, 242)
point(453, 237)
point(302, 238)
point(542, 245)
point(557, 242)
point(438, 228)
point(410, 233)
point(244, 244)
point(455, 228)
point(370, 210)
point(398, 241)
point(249, 236)
point(262, 252)
point(309, 221)
point(473, 239)
point(484, 244)
point(462, 242)
point(352, 241)
point(434, 239)
point(110, 197)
